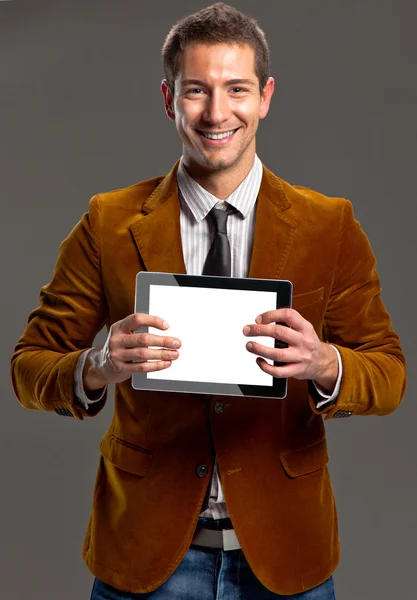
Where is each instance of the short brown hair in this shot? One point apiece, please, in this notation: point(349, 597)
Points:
point(216, 24)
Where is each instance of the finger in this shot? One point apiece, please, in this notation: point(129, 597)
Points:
point(147, 366)
point(143, 354)
point(149, 339)
point(285, 315)
point(136, 320)
point(288, 370)
point(287, 355)
point(279, 332)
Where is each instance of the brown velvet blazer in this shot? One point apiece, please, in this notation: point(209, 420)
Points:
point(272, 454)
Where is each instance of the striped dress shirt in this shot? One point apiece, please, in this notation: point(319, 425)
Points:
point(197, 234)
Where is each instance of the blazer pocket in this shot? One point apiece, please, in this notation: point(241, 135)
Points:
point(308, 298)
point(305, 460)
point(126, 456)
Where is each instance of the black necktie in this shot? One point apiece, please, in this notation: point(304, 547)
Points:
point(218, 261)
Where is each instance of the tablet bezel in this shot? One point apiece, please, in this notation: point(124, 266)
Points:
point(283, 289)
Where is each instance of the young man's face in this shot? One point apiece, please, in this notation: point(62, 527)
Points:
point(217, 92)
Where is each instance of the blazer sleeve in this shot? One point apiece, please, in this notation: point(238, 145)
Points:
point(71, 312)
point(358, 325)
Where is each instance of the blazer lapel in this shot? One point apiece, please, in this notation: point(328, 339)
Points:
point(274, 231)
point(158, 237)
point(157, 232)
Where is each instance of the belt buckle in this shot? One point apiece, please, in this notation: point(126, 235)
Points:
point(230, 541)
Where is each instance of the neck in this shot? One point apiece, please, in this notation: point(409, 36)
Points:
point(220, 182)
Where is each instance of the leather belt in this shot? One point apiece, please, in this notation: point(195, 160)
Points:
point(214, 524)
point(215, 533)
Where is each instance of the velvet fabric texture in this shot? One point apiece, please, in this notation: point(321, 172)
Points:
point(272, 454)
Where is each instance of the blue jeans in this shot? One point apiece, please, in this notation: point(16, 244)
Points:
point(212, 574)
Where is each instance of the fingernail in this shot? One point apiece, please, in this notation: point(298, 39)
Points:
point(176, 344)
point(258, 319)
point(246, 330)
point(165, 324)
point(249, 346)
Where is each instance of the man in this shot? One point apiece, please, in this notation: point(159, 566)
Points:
point(201, 497)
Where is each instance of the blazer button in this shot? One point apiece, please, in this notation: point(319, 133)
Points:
point(202, 470)
point(219, 407)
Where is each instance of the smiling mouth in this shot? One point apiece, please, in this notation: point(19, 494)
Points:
point(217, 136)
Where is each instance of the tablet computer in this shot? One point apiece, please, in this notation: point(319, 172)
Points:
point(208, 314)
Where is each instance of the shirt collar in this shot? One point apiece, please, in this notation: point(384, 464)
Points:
point(200, 201)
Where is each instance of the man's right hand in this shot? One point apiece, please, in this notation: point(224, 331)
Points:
point(114, 361)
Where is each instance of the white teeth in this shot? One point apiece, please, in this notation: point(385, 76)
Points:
point(220, 136)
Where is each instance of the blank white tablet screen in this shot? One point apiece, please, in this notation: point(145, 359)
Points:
point(209, 323)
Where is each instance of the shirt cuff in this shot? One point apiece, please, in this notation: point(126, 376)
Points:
point(330, 398)
point(79, 390)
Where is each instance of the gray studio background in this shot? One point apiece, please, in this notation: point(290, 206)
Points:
point(81, 113)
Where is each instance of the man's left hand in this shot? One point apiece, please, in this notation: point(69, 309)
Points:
point(306, 357)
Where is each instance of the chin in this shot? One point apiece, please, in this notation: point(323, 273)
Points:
point(220, 162)
point(218, 165)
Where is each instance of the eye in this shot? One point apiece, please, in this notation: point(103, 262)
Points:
point(193, 91)
point(239, 89)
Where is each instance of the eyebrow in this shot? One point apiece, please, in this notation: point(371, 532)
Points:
point(226, 83)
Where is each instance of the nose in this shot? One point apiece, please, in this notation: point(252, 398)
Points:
point(217, 108)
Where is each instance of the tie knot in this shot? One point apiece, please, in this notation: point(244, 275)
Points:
point(219, 214)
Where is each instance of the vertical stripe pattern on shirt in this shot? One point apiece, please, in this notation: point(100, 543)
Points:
point(197, 234)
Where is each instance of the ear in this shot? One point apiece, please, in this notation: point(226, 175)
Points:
point(168, 100)
point(266, 97)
